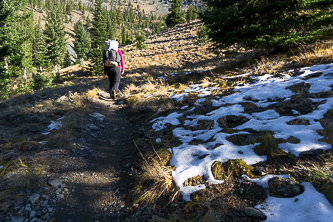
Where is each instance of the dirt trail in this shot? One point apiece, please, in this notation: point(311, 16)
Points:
point(101, 190)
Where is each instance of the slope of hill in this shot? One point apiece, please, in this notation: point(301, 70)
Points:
point(173, 49)
point(67, 153)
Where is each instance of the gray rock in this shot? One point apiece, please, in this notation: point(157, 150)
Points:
point(93, 127)
point(284, 187)
point(17, 219)
point(28, 207)
point(254, 213)
point(32, 214)
point(55, 183)
point(299, 122)
point(62, 98)
point(34, 197)
point(98, 116)
point(58, 191)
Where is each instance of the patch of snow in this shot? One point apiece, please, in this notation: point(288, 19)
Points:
point(212, 144)
point(186, 191)
point(308, 206)
point(160, 122)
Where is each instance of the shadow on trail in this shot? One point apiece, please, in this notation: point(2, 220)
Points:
point(106, 193)
point(103, 191)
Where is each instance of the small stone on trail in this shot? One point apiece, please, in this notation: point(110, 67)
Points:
point(56, 183)
point(17, 219)
point(93, 127)
point(34, 197)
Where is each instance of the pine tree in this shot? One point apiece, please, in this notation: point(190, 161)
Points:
point(267, 24)
point(119, 17)
point(82, 43)
point(39, 49)
point(98, 36)
point(80, 5)
point(190, 13)
point(10, 41)
point(140, 38)
point(88, 23)
point(26, 46)
point(175, 16)
point(67, 59)
point(55, 36)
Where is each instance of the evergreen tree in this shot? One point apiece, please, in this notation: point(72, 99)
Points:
point(10, 41)
point(26, 46)
point(69, 8)
point(98, 36)
point(80, 5)
point(175, 16)
point(88, 23)
point(39, 49)
point(190, 13)
point(67, 59)
point(123, 36)
point(203, 37)
point(82, 43)
point(140, 38)
point(266, 24)
point(55, 36)
point(119, 17)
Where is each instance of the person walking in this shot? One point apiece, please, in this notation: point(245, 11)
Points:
point(114, 73)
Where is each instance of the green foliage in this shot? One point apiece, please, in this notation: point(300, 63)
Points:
point(55, 35)
point(40, 81)
point(269, 147)
point(12, 35)
point(266, 24)
point(82, 43)
point(235, 168)
point(39, 48)
point(190, 14)
point(175, 16)
point(67, 59)
point(88, 23)
point(203, 36)
point(140, 38)
point(98, 35)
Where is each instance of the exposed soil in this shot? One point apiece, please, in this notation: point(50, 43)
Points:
point(90, 177)
point(101, 189)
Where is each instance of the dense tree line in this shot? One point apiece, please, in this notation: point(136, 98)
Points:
point(32, 47)
point(267, 24)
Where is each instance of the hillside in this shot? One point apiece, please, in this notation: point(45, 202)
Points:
point(193, 137)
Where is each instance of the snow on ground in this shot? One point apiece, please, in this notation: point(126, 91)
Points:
point(193, 160)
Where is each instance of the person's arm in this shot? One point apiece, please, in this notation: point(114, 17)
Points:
point(122, 61)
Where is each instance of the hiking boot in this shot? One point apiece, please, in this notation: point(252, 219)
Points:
point(113, 94)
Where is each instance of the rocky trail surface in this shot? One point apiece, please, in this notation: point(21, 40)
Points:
point(100, 189)
point(87, 178)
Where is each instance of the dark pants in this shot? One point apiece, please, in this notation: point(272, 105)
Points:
point(114, 78)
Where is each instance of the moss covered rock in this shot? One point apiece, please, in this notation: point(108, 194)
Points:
point(284, 187)
point(235, 168)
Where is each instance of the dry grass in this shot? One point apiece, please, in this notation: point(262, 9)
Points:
point(149, 97)
point(317, 53)
point(17, 175)
point(156, 180)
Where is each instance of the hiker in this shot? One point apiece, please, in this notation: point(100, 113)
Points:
point(113, 60)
